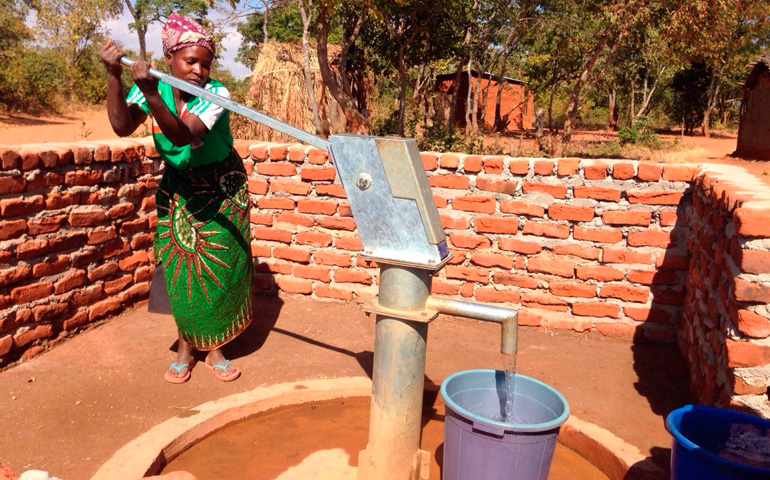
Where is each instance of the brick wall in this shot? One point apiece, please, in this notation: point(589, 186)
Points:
point(642, 251)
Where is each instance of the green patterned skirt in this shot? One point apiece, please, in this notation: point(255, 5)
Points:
point(202, 243)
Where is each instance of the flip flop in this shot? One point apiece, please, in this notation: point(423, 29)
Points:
point(171, 378)
point(224, 376)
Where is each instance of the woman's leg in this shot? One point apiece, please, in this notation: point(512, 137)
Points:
point(184, 356)
point(216, 357)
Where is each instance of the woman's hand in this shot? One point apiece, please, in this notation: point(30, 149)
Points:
point(140, 71)
point(111, 55)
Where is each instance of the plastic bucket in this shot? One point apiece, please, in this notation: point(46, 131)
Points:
point(478, 447)
point(704, 437)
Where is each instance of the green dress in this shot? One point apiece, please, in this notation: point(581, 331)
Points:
point(203, 226)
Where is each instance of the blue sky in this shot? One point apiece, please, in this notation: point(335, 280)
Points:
point(119, 31)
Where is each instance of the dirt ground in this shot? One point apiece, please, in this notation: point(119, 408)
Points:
point(70, 409)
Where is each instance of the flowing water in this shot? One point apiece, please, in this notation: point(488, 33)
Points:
point(509, 367)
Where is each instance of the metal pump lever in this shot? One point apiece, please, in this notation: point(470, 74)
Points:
point(236, 107)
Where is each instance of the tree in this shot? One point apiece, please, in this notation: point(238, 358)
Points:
point(276, 20)
point(305, 7)
point(13, 32)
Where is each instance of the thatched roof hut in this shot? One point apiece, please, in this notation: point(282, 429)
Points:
point(277, 88)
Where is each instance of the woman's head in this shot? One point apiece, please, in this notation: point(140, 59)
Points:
point(188, 47)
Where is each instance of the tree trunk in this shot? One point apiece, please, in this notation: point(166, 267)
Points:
point(469, 99)
point(632, 105)
point(712, 94)
point(265, 36)
point(355, 121)
point(401, 89)
point(309, 83)
point(612, 119)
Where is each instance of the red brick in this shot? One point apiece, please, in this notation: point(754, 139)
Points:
point(668, 296)
point(330, 189)
point(572, 289)
point(595, 170)
point(529, 319)
point(258, 186)
point(51, 266)
point(750, 323)
point(320, 207)
point(13, 207)
point(496, 225)
point(475, 203)
point(623, 171)
point(276, 203)
point(133, 261)
point(334, 223)
point(344, 210)
point(271, 234)
point(746, 354)
point(293, 254)
point(314, 238)
point(325, 291)
point(294, 219)
point(32, 249)
point(74, 279)
point(10, 158)
point(262, 251)
point(754, 261)
point(469, 241)
point(522, 208)
point(277, 169)
point(523, 281)
point(627, 217)
point(680, 173)
point(551, 266)
point(571, 213)
point(294, 188)
point(626, 293)
point(318, 173)
point(144, 274)
point(543, 167)
point(12, 184)
point(440, 201)
point(617, 330)
point(12, 229)
point(597, 193)
point(654, 277)
point(625, 256)
point(86, 217)
point(67, 241)
point(749, 222)
point(323, 274)
point(668, 260)
point(568, 166)
point(493, 165)
point(103, 308)
point(284, 268)
point(546, 229)
point(751, 292)
point(656, 197)
point(449, 180)
point(77, 320)
point(596, 309)
point(449, 161)
point(647, 314)
point(600, 274)
point(499, 186)
point(83, 177)
point(117, 284)
point(25, 337)
point(316, 156)
point(669, 218)
point(329, 258)
point(491, 260)
point(649, 172)
point(349, 275)
point(519, 166)
point(32, 292)
point(556, 191)
point(600, 235)
point(455, 223)
point(493, 295)
point(352, 243)
point(278, 152)
point(577, 250)
point(261, 218)
point(471, 274)
point(429, 161)
point(544, 301)
point(472, 164)
point(519, 246)
point(440, 287)
point(651, 238)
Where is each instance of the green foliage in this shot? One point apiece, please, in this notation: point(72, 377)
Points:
point(690, 87)
point(284, 24)
point(641, 132)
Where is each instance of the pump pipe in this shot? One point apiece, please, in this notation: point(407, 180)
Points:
point(508, 318)
point(236, 107)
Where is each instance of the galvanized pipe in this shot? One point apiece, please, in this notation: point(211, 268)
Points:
point(236, 107)
point(508, 318)
point(398, 379)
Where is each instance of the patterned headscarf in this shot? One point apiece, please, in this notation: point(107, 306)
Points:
point(180, 32)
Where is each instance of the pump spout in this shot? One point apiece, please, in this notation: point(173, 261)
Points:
point(507, 317)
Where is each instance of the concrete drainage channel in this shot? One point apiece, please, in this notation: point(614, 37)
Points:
point(149, 453)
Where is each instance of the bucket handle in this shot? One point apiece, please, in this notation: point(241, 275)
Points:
point(488, 428)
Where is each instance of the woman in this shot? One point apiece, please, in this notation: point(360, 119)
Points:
point(204, 272)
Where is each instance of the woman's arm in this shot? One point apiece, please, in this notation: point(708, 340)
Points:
point(124, 118)
point(179, 131)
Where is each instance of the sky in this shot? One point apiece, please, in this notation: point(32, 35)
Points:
point(119, 32)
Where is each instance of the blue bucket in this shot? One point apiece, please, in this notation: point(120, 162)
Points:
point(478, 446)
point(700, 448)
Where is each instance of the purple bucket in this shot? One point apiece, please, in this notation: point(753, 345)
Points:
point(479, 447)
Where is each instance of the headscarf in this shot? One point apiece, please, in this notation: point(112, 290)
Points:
point(180, 32)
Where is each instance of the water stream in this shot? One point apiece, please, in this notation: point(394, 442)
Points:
point(509, 367)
